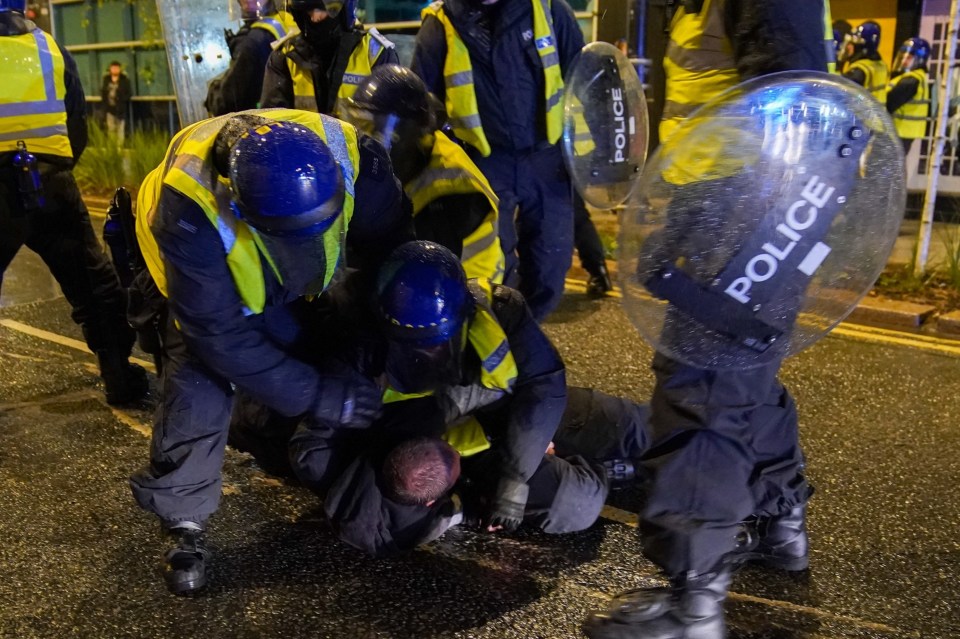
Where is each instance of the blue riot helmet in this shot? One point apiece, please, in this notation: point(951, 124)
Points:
point(393, 106)
point(867, 37)
point(253, 10)
point(17, 6)
point(424, 305)
point(289, 189)
point(914, 53)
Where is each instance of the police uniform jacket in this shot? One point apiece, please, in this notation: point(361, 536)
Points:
point(327, 73)
point(203, 296)
point(519, 425)
point(508, 73)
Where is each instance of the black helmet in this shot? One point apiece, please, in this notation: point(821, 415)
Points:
point(393, 105)
point(343, 12)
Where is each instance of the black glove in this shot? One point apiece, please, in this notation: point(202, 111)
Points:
point(347, 402)
point(506, 508)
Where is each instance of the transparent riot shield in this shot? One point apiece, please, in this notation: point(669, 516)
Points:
point(196, 50)
point(762, 220)
point(605, 126)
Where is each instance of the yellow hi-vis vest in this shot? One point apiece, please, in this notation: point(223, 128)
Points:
point(699, 62)
point(359, 66)
point(32, 95)
point(188, 169)
point(279, 24)
point(876, 77)
point(452, 172)
point(498, 368)
point(461, 94)
point(911, 118)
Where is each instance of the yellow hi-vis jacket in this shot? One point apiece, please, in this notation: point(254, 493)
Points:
point(32, 95)
point(461, 95)
point(452, 172)
point(876, 77)
point(699, 62)
point(188, 169)
point(278, 24)
point(359, 66)
point(498, 368)
point(911, 118)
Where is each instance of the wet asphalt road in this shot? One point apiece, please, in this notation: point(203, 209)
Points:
point(880, 422)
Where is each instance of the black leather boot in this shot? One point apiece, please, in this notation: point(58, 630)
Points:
point(692, 608)
point(778, 542)
point(123, 382)
point(599, 283)
point(185, 565)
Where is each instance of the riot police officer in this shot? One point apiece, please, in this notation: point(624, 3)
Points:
point(43, 131)
point(725, 442)
point(239, 87)
point(319, 68)
point(246, 214)
point(499, 68)
point(453, 204)
point(908, 96)
point(865, 66)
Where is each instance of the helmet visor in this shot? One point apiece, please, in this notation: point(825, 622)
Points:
point(306, 264)
point(905, 61)
point(413, 367)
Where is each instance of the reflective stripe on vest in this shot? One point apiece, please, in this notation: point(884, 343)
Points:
point(829, 45)
point(452, 172)
point(459, 89)
point(278, 24)
point(876, 77)
point(32, 95)
point(911, 118)
point(498, 368)
point(467, 437)
point(188, 168)
point(359, 66)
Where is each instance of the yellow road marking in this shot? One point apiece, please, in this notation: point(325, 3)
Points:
point(56, 338)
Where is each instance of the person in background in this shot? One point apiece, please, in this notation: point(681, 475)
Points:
point(864, 65)
point(43, 132)
point(908, 96)
point(115, 94)
point(238, 88)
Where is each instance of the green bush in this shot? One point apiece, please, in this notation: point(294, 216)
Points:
point(104, 165)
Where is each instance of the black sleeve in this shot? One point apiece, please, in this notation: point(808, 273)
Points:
point(277, 83)
point(857, 76)
point(429, 55)
point(76, 105)
point(124, 93)
point(569, 35)
point(240, 86)
point(382, 217)
point(527, 420)
point(902, 93)
point(450, 219)
point(776, 35)
point(389, 56)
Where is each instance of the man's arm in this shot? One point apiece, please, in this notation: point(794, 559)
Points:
point(902, 93)
point(277, 84)
point(569, 35)
point(429, 55)
point(857, 76)
point(76, 106)
point(203, 298)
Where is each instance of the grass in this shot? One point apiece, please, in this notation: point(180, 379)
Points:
point(104, 165)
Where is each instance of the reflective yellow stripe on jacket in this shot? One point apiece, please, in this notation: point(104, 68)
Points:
point(452, 172)
point(279, 24)
point(188, 169)
point(359, 66)
point(911, 118)
point(828, 43)
point(32, 95)
point(876, 77)
point(498, 368)
point(461, 95)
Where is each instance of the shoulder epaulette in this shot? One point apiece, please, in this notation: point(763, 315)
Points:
point(382, 39)
point(276, 44)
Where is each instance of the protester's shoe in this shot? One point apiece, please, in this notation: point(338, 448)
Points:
point(124, 382)
point(777, 542)
point(599, 283)
point(185, 565)
point(692, 608)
